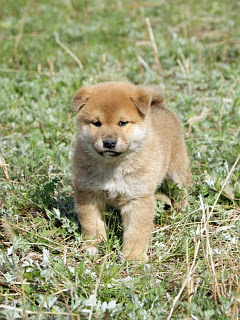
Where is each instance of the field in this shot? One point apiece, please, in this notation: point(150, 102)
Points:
point(48, 49)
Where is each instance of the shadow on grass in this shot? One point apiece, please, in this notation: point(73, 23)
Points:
point(59, 210)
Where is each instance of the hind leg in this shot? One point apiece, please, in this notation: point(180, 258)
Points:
point(180, 173)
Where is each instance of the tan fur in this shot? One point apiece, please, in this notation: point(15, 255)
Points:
point(149, 148)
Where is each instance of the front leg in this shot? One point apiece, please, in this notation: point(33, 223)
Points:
point(89, 207)
point(137, 218)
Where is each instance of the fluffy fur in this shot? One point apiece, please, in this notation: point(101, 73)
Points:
point(127, 143)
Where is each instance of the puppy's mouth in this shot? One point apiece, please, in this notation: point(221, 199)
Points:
point(110, 154)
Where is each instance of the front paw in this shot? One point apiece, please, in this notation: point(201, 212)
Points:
point(92, 250)
point(91, 247)
point(135, 256)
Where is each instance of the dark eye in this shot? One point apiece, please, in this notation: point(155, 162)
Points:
point(97, 123)
point(123, 123)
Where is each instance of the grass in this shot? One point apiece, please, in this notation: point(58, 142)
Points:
point(193, 272)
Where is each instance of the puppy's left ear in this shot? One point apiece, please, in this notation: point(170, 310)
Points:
point(80, 98)
point(148, 97)
point(157, 98)
point(142, 100)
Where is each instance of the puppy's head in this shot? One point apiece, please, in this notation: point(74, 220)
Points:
point(111, 118)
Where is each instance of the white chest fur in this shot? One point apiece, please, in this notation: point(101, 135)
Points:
point(117, 180)
point(119, 183)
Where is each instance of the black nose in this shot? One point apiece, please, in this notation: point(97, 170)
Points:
point(109, 144)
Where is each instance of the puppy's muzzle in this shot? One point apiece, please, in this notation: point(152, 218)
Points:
point(109, 144)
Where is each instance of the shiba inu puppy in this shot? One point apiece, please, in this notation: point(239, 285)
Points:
point(127, 143)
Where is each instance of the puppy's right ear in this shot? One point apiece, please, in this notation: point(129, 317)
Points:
point(80, 98)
